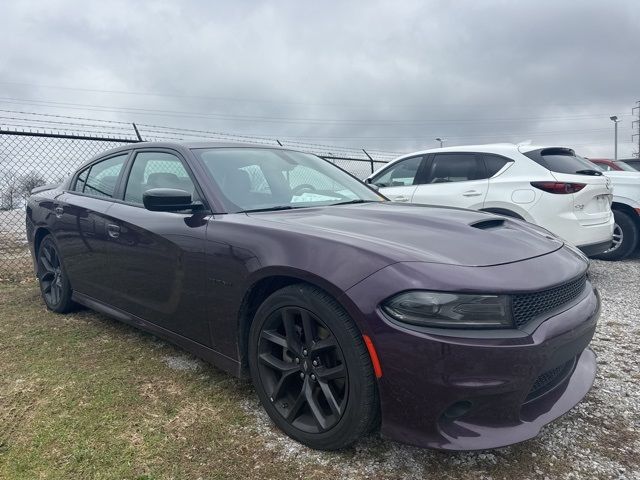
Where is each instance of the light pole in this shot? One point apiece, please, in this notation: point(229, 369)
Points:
point(615, 121)
point(441, 140)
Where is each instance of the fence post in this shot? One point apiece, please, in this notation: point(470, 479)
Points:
point(137, 132)
point(370, 159)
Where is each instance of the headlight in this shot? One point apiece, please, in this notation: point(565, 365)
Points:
point(450, 310)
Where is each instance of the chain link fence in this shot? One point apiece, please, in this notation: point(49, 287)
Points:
point(29, 159)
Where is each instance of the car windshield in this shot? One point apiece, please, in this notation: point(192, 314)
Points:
point(253, 179)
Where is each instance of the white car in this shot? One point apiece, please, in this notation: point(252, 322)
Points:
point(548, 186)
point(626, 210)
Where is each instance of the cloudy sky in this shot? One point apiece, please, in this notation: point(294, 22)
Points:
point(390, 75)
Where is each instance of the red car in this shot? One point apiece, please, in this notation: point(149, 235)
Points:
point(609, 165)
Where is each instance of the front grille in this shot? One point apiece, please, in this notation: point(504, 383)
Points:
point(528, 306)
point(550, 379)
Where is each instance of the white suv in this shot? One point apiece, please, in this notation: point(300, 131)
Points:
point(549, 186)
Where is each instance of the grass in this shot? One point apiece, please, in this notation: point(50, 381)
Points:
point(82, 396)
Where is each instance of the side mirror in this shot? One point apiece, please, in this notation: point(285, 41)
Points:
point(167, 200)
point(371, 185)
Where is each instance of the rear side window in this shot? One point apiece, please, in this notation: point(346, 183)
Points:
point(100, 179)
point(401, 174)
point(455, 167)
point(157, 170)
point(561, 160)
point(494, 163)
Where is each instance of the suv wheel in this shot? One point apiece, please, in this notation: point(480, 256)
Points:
point(625, 237)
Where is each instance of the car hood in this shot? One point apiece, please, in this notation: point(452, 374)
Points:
point(419, 233)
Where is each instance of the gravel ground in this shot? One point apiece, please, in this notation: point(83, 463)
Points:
point(600, 438)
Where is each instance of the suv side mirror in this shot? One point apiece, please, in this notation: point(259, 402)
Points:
point(167, 200)
point(371, 185)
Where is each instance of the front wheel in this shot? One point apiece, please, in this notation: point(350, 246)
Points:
point(54, 283)
point(311, 368)
point(625, 237)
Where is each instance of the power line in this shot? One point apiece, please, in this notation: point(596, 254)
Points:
point(277, 101)
point(285, 120)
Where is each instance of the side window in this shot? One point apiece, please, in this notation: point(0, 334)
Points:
point(455, 167)
point(157, 170)
point(494, 163)
point(100, 179)
point(81, 180)
point(401, 174)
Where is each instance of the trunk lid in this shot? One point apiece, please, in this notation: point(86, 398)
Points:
point(592, 204)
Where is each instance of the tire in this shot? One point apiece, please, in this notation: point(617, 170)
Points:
point(54, 283)
point(625, 237)
point(293, 364)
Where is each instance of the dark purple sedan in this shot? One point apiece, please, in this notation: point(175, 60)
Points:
point(448, 328)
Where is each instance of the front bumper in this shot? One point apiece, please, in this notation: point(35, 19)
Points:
point(484, 391)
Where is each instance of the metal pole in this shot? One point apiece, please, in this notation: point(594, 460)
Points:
point(370, 159)
point(615, 141)
point(137, 132)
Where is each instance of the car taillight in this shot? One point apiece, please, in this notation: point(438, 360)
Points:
point(559, 187)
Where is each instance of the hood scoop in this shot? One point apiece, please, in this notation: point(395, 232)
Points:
point(488, 224)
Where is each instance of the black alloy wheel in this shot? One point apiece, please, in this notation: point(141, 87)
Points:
point(311, 369)
point(302, 369)
point(54, 284)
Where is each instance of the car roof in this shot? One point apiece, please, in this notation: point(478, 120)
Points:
point(177, 145)
point(507, 149)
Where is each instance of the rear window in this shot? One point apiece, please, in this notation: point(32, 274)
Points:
point(562, 160)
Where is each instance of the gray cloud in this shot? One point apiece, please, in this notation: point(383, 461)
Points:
point(386, 75)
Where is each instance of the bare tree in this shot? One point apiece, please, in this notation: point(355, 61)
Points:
point(29, 181)
point(9, 189)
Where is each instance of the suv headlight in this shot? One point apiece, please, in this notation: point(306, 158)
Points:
point(450, 310)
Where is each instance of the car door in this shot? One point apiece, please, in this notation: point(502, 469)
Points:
point(453, 179)
point(158, 258)
point(80, 226)
point(397, 182)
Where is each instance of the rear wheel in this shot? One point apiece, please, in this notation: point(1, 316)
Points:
point(625, 237)
point(54, 283)
point(311, 368)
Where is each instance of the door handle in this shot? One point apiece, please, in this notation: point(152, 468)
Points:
point(113, 230)
point(59, 211)
point(471, 193)
point(400, 198)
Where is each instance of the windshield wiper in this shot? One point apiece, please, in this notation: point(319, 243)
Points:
point(269, 209)
point(351, 202)
point(589, 172)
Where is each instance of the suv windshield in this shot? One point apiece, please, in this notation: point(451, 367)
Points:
point(562, 160)
point(252, 179)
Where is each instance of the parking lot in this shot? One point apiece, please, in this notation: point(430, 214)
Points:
point(84, 396)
